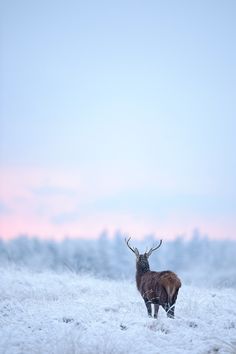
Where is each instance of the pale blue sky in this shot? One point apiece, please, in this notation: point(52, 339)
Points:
point(131, 90)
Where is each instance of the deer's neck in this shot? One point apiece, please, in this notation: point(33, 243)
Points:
point(142, 268)
point(140, 271)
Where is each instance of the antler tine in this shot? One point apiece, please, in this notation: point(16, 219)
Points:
point(127, 242)
point(153, 249)
point(135, 250)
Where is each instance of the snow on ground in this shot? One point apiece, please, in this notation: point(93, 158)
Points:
point(71, 313)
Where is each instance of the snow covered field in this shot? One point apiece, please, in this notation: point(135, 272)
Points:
point(70, 313)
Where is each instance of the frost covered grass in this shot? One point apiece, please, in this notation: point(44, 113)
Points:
point(72, 313)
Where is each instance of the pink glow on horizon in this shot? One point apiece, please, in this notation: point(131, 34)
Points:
point(92, 226)
point(31, 211)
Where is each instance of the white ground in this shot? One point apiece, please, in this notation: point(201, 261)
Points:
point(69, 313)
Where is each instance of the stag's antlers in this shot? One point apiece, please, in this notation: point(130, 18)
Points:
point(135, 250)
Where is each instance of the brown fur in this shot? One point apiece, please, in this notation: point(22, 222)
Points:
point(158, 287)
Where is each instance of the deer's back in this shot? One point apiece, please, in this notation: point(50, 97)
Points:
point(157, 286)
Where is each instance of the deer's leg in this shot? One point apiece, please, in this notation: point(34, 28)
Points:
point(148, 306)
point(156, 309)
point(170, 310)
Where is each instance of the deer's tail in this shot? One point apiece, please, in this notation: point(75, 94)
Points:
point(170, 291)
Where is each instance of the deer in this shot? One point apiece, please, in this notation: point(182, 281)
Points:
point(157, 288)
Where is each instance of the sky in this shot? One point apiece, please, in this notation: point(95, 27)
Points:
point(118, 115)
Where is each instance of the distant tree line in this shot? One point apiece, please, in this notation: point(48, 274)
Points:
point(199, 260)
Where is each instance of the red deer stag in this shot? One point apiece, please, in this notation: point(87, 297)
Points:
point(158, 288)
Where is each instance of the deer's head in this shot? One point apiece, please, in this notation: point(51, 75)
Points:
point(142, 259)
